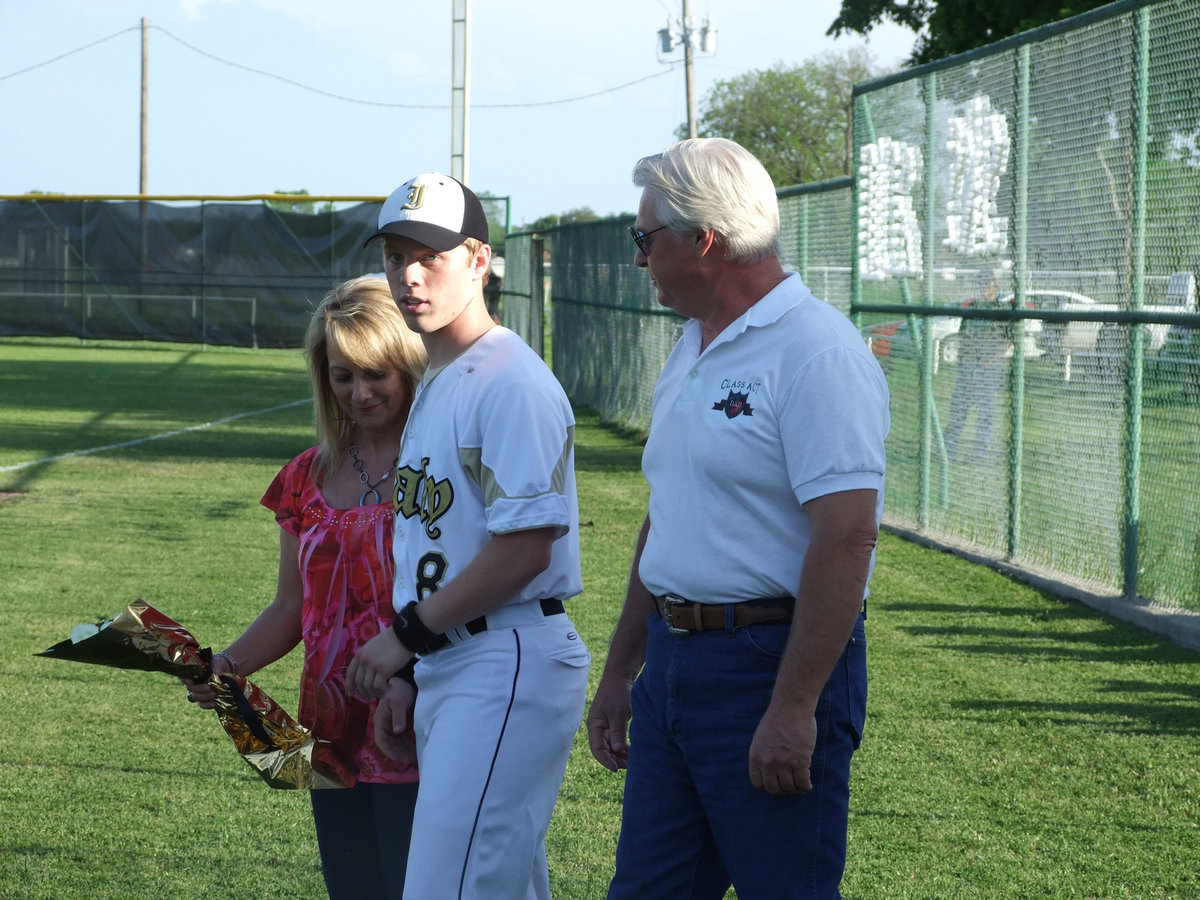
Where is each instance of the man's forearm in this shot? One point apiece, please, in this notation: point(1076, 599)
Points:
point(834, 580)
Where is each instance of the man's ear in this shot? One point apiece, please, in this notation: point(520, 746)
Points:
point(706, 240)
point(482, 262)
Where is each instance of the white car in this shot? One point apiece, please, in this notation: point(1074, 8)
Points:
point(1066, 339)
point(893, 338)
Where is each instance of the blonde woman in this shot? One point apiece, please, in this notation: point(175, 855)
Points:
point(333, 506)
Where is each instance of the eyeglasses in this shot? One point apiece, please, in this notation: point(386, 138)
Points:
point(639, 237)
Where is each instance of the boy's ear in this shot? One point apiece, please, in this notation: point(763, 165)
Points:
point(482, 262)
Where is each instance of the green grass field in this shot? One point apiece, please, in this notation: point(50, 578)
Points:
point(1017, 746)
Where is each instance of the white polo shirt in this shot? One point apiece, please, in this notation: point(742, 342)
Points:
point(787, 404)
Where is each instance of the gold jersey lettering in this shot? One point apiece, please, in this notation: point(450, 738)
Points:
point(420, 494)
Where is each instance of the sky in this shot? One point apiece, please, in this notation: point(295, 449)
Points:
point(353, 98)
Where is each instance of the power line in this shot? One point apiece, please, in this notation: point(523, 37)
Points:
point(70, 52)
point(341, 97)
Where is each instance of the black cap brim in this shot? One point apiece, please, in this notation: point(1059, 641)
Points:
point(434, 237)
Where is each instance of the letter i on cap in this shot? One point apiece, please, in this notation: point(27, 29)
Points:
point(434, 210)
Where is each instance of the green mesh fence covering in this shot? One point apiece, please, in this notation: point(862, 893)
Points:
point(1056, 427)
point(611, 337)
point(522, 293)
point(816, 234)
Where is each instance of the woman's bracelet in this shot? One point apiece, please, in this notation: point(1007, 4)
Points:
point(229, 661)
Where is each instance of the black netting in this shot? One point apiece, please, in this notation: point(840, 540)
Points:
point(222, 273)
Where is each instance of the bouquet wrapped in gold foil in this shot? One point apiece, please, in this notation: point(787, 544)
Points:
point(284, 753)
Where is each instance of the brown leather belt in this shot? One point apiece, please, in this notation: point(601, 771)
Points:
point(683, 616)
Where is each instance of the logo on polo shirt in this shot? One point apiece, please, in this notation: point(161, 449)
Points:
point(737, 403)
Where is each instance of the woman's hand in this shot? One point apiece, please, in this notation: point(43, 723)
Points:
point(202, 693)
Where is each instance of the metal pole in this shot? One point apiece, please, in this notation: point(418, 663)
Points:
point(537, 295)
point(82, 272)
point(1021, 252)
point(802, 264)
point(925, 373)
point(688, 77)
point(143, 179)
point(1133, 455)
point(460, 90)
point(145, 135)
point(862, 113)
point(204, 271)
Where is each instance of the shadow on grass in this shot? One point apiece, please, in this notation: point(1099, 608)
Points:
point(1135, 717)
point(608, 448)
point(607, 460)
point(1066, 611)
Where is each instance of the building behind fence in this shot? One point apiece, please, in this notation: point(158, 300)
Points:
point(1064, 164)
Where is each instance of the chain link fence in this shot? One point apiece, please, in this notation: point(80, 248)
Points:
point(1051, 423)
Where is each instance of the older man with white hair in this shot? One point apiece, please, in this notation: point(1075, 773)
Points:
point(740, 653)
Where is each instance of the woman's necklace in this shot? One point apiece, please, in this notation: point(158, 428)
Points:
point(364, 478)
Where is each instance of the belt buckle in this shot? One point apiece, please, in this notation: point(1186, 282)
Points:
point(669, 602)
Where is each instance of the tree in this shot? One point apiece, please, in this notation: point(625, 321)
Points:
point(947, 27)
point(796, 119)
point(579, 214)
point(306, 207)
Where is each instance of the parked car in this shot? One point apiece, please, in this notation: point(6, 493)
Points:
point(1103, 343)
point(892, 338)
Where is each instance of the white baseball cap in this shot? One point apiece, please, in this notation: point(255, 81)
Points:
point(434, 210)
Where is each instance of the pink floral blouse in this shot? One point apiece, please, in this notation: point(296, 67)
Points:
point(347, 571)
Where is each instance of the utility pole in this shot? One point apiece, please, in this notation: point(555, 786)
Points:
point(689, 80)
point(460, 90)
point(685, 33)
point(143, 180)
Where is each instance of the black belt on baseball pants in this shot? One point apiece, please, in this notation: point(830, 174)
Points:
point(551, 606)
point(685, 616)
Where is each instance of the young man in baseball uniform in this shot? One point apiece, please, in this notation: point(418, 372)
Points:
point(740, 653)
point(486, 550)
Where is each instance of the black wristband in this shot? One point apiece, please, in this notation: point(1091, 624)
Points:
point(408, 673)
point(414, 634)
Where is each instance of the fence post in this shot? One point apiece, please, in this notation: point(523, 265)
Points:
point(203, 270)
point(537, 294)
point(1133, 405)
point(82, 269)
point(1021, 252)
point(928, 348)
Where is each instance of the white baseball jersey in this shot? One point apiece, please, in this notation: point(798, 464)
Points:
point(488, 449)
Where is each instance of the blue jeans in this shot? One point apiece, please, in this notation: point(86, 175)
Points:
point(693, 824)
point(363, 834)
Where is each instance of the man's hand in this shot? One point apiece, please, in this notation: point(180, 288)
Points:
point(606, 723)
point(781, 752)
point(392, 735)
point(378, 660)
